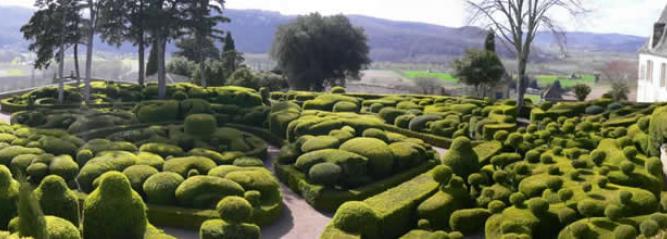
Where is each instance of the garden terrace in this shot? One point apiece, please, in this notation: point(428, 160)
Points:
point(196, 161)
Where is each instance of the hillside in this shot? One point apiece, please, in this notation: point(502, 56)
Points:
point(394, 41)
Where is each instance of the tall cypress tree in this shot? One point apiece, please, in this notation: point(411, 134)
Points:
point(229, 43)
point(490, 41)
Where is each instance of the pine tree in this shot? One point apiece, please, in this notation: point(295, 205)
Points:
point(490, 41)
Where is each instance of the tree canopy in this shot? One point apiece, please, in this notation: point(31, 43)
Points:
point(316, 51)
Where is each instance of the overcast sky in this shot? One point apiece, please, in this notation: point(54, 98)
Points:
point(634, 17)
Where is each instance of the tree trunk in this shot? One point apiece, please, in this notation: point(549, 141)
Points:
point(61, 76)
point(89, 53)
point(521, 82)
point(161, 73)
point(142, 65)
point(77, 71)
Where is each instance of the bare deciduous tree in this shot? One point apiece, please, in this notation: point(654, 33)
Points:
point(518, 21)
point(618, 70)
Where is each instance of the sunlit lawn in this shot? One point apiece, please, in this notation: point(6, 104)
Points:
point(426, 74)
point(565, 81)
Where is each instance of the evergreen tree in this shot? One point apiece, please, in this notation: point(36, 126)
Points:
point(490, 41)
point(232, 59)
point(229, 44)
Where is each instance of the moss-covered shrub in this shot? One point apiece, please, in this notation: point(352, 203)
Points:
point(104, 162)
point(183, 165)
point(8, 197)
point(326, 174)
point(164, 150)
point(157, 111)
point(356, 218)
point(461, 157)
point(380, 158)
point(160, 188)
point(319, 143)
point(200, 125)
point(138, 174)
point(113, 210)
point(206, 191)
point(469, 220)
point(57, 200)
point(345, 106)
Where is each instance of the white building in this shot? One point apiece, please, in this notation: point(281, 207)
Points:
point(652, 86)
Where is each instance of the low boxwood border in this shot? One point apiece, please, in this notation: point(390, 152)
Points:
point(328, 199)
point(191, 219)
point(396, 208)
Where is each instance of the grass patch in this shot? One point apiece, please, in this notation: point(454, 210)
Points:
point(565, 81)
point(427, 74)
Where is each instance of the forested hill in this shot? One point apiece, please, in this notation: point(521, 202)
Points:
point(389, 40)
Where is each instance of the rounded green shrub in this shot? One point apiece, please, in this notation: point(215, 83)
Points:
point(319, 143)
point(161, 149)
point(8, 197)
point(113, 210)
point(253, 197)
point(57, 146)
point(624, 231)
point(579, 230)
point(248, 162)
point(183, 165)
point(157, 111)
point(64, 166)
point(326, 174)
point(613, 212)
point(590, 208)
point(160, 188)
point(200, 125)
point(150, 159)
point(407, 154)
point(219, 229)
point(138, 174)
point(37, 171)
point(357, 218)
point(380, 158)
point(461, 158)
point(469, 220)
point(517, 199)
point(345, 106)
point(496, 206)
point(57, 200)
point(375, 133)
point(649, 228)
point(234, 209)
point(106, 161)
point(538, 206)
point(389, 114)
point(442, 174)
point(206, 191)
point(565, 194)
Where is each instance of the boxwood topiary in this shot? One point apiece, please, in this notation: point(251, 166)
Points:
point(469, 220)
point(345, 106)
point(113, 210)
point(162, 149)
point(206, 191)
point(624, 231)
point(58, 146)
point(219, 229)
point(248, 162)
point(160, 188)
point(106, 161)
point(200, 125)
point(407, 154)
point(157, 111)
point(357, 218)
point(461, 157)
point(9, 190)
point(326, 174)
point(380, 158)
point(649, 228)
point(183, 165)
point(64, 166)
point(234, 209)
point(319, 143)
point(137, 174)
point(56, 199)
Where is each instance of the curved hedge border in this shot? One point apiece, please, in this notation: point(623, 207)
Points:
point(328, 200)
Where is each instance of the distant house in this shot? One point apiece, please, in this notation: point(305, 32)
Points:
point(554, 92)
point(652, 83)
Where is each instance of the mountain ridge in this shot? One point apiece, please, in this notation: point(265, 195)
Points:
point(390, 40)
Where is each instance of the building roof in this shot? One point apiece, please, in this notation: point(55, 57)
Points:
point(660, 49)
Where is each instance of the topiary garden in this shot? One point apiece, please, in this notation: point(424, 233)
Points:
point(127, 162)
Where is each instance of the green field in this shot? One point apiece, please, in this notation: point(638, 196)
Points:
point(427, 74)
point(565, 81)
